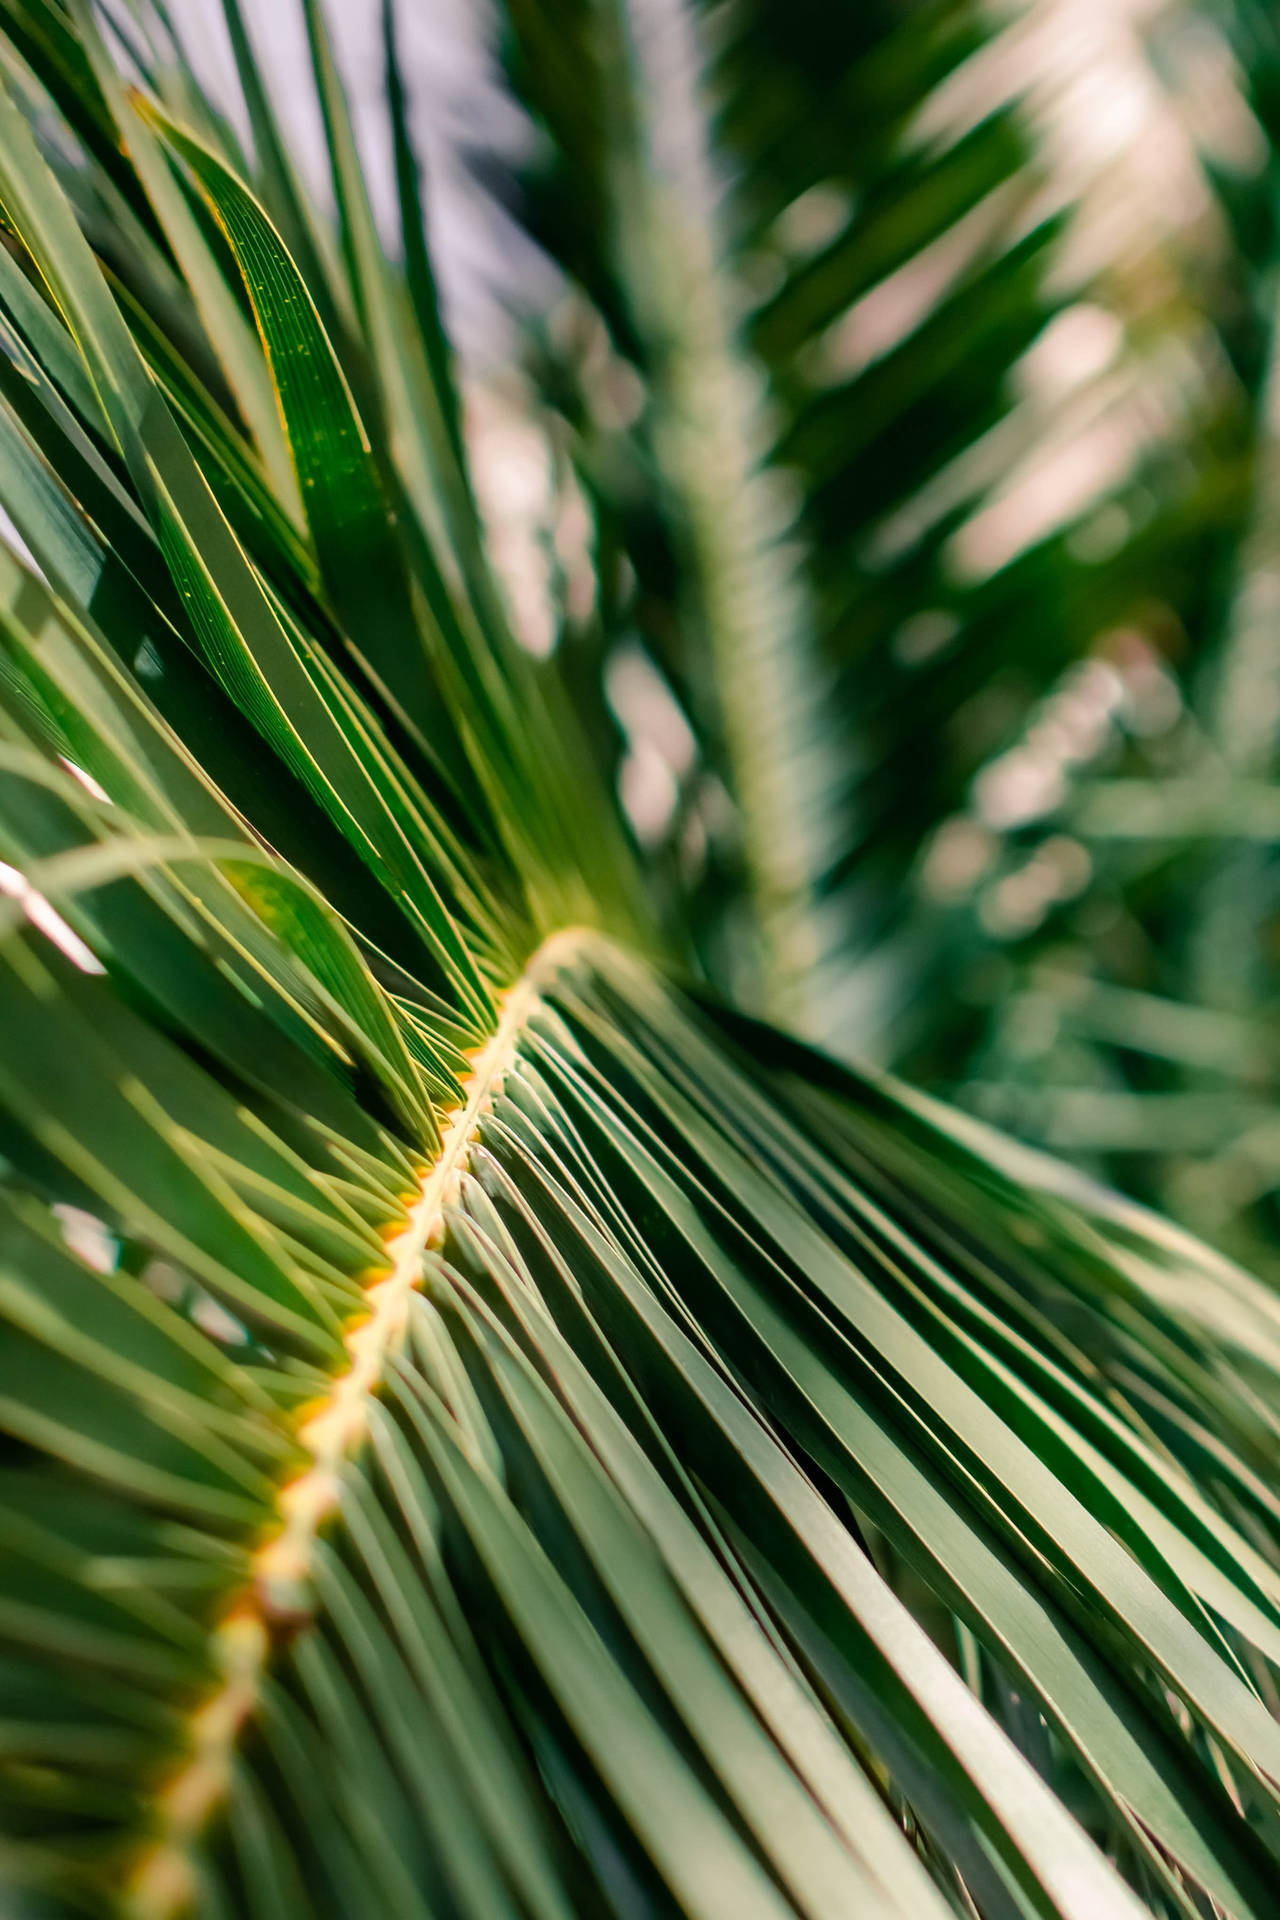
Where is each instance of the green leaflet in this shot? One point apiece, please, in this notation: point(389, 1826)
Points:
point(420, 277)
point(87, 1103)
point(237, 350)
point(351, 525)
point(237, 629)
point(94, 715)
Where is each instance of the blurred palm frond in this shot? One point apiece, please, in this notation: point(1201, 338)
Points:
point(994, 289)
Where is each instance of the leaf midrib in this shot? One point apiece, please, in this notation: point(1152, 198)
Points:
point(280, 1592)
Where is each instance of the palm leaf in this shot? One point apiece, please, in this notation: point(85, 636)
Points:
point(1000, 837)
point(490, 1430)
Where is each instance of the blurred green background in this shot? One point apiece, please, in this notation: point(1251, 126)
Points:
point(942, 403)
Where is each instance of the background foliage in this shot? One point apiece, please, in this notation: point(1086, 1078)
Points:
point(1007, 277)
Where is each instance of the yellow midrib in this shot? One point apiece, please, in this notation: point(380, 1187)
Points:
point(162, 1884)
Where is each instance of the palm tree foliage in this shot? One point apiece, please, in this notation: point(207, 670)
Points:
point(490, 1430)
point(1019, 868)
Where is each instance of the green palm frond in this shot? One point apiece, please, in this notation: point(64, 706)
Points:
point(1107, 1016)
point(489, 1430)
point(743, 247)
point(1014, 422)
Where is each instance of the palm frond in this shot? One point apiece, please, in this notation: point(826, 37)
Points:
point(905, 258)
point(489, 1430)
